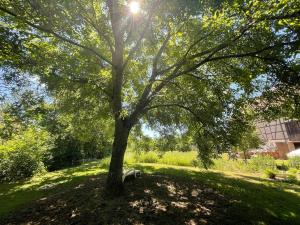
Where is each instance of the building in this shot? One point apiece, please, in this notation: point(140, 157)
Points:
point(281, 136)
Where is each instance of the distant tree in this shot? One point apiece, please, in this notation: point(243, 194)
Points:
point(171, 62)
point(247, 141)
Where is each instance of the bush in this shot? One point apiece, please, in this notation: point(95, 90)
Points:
point(282, 167)
point(294, 162)
point(18, 165)
point(21, 156)
point(270, 173)
point(70, 151)
point(179, 158)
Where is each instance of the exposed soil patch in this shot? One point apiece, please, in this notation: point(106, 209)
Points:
point(151, 199)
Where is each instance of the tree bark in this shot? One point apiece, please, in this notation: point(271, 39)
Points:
point(114, 183)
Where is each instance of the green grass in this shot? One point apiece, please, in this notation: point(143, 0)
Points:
point(13, 195)
point(257, 198)
point(223, 163)
point(252, 197)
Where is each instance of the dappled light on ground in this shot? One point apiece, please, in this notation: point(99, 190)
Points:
point(164, 195)
point(39, 186)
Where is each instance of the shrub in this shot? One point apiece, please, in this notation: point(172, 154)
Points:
point(18, 165)
point(269, 173)
point(196, 163)
point(294, 162)
point(282, 167)
point(179, 158)
point(70, 151)
point(21, 156)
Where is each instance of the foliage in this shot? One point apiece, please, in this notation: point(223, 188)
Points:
point(166, 141)
point(147, 157)
point(270, 173)
point(261, 162)
point(72, 140)
point(22, 155)
point(18, 165)
point(177, 158)
point(32, 140)
point(104, 163)
point(281, 166)
point(190, 158)
point(139, 142)
point(224, 163)
point(191, 65)
point(292, 175)
point(294, 162)
point(254, 164)
point(246, 140)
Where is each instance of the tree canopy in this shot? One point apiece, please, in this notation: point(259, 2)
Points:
point(189, 65)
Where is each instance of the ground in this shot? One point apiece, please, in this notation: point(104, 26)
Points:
point(163, 195)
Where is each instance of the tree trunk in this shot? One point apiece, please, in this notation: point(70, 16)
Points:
point(245, 156)
point(114, 184)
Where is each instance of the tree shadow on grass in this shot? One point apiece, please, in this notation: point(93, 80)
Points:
point(250, 202)
point(280, 183)
point(14, 195)
point(167, 196)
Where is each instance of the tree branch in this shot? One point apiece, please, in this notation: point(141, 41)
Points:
point(90, 21)
point(250, 54)
point(142, 35)
point(173, 105)
point(205, 52)
point(87, 81)
point(46, 30)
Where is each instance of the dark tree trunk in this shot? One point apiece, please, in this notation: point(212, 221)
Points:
point(114, 184)
point(245, 156)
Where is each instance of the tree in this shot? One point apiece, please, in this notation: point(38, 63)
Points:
point(171, 62)
point(247, 140)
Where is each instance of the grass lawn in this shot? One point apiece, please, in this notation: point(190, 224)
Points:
point(163, 195)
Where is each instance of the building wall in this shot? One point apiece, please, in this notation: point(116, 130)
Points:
point(274, 130)
point(285, 134)
point(283, 148)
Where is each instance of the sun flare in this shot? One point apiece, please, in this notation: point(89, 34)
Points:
point(134, 7)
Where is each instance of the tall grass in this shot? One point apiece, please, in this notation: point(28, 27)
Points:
point(223, 163)
point(147, 157)
point(179, 158)
point(170, 157)
point(294, 162)
point(255, 164)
